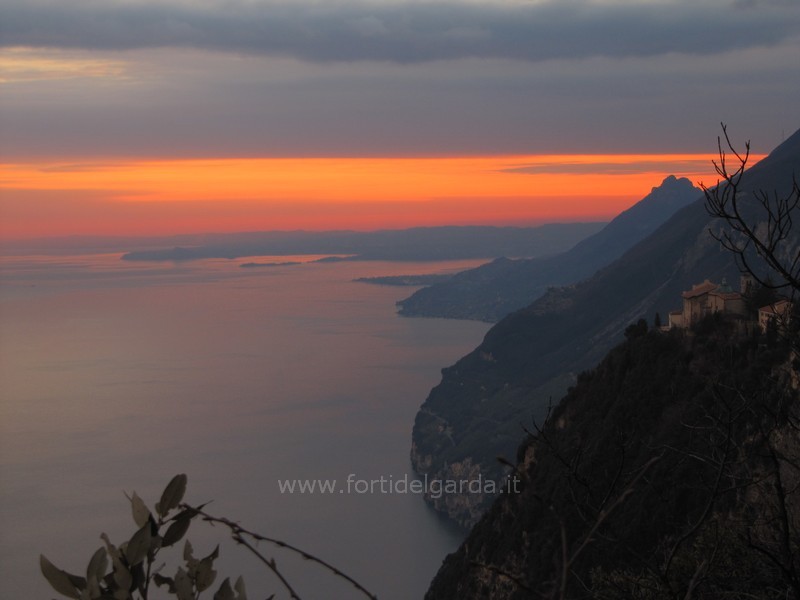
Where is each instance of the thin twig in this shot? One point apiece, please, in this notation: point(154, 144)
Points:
point(238, 532)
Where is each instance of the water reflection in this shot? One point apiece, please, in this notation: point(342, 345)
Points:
point(117, 375)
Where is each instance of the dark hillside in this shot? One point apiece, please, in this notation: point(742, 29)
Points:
point(659, 469)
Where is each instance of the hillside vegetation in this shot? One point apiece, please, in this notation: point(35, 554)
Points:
point(672, 470)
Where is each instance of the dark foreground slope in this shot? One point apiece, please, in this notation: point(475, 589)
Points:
point(496, 289)
point(530, 357)
point(672, 466)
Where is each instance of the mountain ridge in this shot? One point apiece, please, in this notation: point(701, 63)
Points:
point(491, 291)
point(416, 243)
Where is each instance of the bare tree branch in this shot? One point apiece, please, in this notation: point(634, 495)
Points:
point(768, 233)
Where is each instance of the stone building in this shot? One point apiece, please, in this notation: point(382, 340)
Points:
point(708, 298)
point(777, 311)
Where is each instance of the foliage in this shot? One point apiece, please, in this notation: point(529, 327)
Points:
point(637, 329)
point(126, 572)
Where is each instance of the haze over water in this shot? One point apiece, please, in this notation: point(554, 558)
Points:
point(116, 376)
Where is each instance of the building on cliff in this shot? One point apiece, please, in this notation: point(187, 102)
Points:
point(777, 312)
point(708, 298)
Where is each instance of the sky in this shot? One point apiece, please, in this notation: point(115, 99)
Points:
point(173, 116)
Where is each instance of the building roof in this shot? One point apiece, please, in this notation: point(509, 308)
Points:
point(776, 308)
point(726, 295)
point(700, 289)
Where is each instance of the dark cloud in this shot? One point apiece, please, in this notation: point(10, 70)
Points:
point(404, 32)
point(203, 104)
point(651, 95)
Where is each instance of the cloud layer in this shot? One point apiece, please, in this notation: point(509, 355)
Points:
point(98, 78)
point(405, 32)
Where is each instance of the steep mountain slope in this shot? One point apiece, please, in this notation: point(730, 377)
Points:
point(494, 290)
point(670, 468)
point(529, 358)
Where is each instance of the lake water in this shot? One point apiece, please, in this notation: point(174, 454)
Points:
point(115, 376)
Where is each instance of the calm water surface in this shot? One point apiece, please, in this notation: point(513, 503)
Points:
point(114, 376)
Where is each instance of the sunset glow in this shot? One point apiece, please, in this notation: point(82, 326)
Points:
point(146, 197)
point(242, 241)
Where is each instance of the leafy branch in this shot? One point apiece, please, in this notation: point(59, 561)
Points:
point(126, 572)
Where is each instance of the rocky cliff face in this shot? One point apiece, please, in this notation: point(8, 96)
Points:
point(464, 446)
point(465, 509)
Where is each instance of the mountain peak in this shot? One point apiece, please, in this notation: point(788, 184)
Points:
point(673, 193)
point(673, 183)
point(669, 179)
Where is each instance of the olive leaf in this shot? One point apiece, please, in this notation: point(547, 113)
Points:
point(121, 577)
point(205, 573)
point(239, 587)
point(160, 580)
point(138, 546)
point(141, 514)
point(225, 592)
point(96, 571)
point(183, 585)
point(172, 495)
point(188, 552)
point(178, 528)
point(97, 564)
point(62, 582)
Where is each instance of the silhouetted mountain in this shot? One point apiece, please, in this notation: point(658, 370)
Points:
point(530, 357)
point(669, 471)
point(494, 290)
point(419, 243)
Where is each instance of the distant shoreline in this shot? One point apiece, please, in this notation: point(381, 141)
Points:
point(406, 280)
